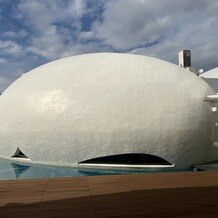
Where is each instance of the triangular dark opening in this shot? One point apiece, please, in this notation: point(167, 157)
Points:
point(19, 154)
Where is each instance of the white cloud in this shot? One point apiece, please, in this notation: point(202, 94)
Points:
point(128, 24)
point(161, 28)
point(12, 34)
point(76, 8)
point(86, 36)
point(48, 39)
point(57, 26)
point(45, 41)
point(157, 28)
point(11, 48)
point(2, 60)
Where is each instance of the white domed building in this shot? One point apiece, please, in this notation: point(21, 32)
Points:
point(109, 109)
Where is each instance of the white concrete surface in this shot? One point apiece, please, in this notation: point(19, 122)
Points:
point(94, 105)
point(212, 74)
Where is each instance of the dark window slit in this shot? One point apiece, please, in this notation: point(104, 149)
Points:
point(130, 158)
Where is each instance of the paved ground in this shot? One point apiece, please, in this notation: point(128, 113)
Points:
point(148, 195)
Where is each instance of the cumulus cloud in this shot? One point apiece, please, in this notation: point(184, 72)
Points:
point(2, 60)
point(11, 48)
point(44, 41)
point(161, 28)
point(128, 24)
point(57, 28)
point(12, 34)
point(86, 36)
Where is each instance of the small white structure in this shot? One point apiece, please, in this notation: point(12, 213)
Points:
point(184, 58)
point(212, 74)
point(211, 77)
point(109, 110)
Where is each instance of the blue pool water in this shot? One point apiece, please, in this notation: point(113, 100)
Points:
point(18, 170)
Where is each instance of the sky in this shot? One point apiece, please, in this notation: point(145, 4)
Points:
point(34, 32)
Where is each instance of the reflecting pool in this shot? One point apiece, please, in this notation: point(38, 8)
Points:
point(23, 170)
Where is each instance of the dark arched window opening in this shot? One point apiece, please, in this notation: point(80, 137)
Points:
point(18, 154)
point(128, 159)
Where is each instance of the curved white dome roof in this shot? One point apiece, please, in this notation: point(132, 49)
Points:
point(94, 105)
